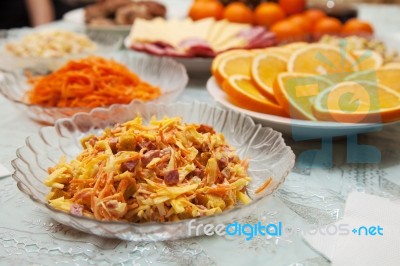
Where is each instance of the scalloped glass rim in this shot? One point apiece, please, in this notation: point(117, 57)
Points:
point(169, 75)
point(66, 132)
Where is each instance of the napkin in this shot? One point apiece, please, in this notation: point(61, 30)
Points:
point(4, 171)
point(368, 234)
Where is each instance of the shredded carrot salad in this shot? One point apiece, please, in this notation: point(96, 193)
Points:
point(90, 82)
point(166, 171)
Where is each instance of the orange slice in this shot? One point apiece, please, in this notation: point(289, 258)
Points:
point(392, 65)
point(234, 64)
point(284, 52)
point(367, 59)
point(321, 59)
point(294, 46)
point(388, 77)
point(243, 93)
point(355, 102)
point(264, 69)
point(223, 55)
point(296, 92)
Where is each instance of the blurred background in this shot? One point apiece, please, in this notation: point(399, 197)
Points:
point(24, 13)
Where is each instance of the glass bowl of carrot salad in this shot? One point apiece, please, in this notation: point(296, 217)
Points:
point(94, 81)
point(150, 172)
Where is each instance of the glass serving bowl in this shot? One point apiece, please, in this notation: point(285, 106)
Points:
point(265, 148)
point(168, 75)
point(105, 43)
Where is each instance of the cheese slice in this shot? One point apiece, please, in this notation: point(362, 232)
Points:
point(202, 27)
point(188, 29)
point(229, 32)
point(176, 36)
point(215, 32)
point(149, 31)
point(221, 35)
point(231, 43)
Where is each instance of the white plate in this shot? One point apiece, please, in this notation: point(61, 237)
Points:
point(77, 16)
point(106, 43)
point(175, 9)
point(299, 129)
point(196, 66)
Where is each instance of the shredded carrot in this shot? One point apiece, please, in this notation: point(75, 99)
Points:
point(146, 178)
point(264, 186)
point(90, 82)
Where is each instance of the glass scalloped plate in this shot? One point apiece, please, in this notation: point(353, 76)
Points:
point(168, 75)
point(265, 148)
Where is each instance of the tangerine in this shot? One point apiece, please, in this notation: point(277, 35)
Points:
point(287, 31)
point(355, 26)
point(327, 25)
point(205, 9)
point(239, 13)
point(303, 21)
point(314, 14)
point(267, 14)
point(292, 6)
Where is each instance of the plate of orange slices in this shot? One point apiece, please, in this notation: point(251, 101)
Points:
point(307, 90)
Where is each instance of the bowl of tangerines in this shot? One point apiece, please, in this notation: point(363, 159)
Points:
point(289, 20)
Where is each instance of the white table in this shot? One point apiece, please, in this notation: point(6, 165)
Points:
point(309, 196)
point(28, 236)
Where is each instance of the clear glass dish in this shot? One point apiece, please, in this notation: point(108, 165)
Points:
point(105, 43)
point(265, 148)
point(168, 75)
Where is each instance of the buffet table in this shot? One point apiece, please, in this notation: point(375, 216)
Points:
point(311, 195)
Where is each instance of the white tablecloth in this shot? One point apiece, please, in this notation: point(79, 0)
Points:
point(309, 196)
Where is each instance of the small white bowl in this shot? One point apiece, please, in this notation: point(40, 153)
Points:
point(105, 43)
